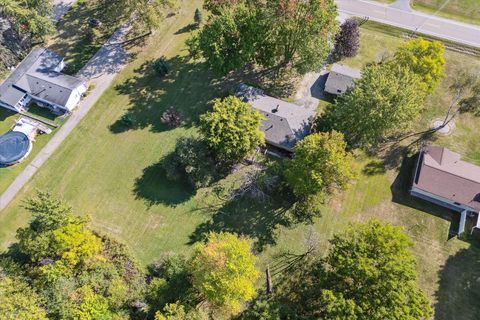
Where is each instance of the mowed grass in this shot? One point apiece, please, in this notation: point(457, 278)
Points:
point(113, 174)
point(462, 10)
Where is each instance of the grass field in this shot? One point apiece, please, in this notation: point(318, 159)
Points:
point(462, 10)
point(112, 173)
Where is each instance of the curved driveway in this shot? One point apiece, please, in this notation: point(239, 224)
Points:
point(413, 20)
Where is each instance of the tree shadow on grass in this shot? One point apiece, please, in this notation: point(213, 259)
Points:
point(188, 88)
point(401, 195)
point(259, 220)
point(459, 286)
point(154, 187)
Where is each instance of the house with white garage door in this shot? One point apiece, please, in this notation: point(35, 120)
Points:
point(38, 79)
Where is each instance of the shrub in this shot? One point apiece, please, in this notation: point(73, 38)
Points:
point(161, 67)
point(172, 118)
point(347, 40)
point(193, 161)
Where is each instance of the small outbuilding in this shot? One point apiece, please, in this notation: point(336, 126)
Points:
point(284, 123)
point(340, 79)
point(442, 178)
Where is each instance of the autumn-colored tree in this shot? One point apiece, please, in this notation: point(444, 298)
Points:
point(320, 164)
point(425, 59)
point(19, 301)
point(76, 273)
point(232, 129)
point(224, 272)
point(347, 41)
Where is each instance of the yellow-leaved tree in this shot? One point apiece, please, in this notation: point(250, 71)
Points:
point(224, 271)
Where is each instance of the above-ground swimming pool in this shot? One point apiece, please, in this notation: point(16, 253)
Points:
point(14, 147)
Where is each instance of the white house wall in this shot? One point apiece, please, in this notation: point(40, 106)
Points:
point(75, 97)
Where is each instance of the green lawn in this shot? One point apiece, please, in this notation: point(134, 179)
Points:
point(113, 174)
point(462, 10)
point(70, 41)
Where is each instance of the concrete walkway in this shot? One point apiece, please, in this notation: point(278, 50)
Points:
point(60, 7)
point(413, 20)
point(100, 70)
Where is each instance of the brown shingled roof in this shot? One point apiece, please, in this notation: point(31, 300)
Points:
point(441, 172)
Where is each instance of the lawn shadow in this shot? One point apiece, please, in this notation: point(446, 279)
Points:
point(374, 167)
point(401, 195)
point(459, 286)
point(258, 220)
point(188, 28)
point(188, 88)
point(154, 187)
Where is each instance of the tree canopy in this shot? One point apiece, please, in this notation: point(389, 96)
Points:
point(75, 273)
point(31, 17)
point(347, 41)
point(270, 33)
point(384, 102)
point(425, 59)
point(224, 272)
point(368, 273)
point(19, 301)
point(320, 163)
point(232, 129)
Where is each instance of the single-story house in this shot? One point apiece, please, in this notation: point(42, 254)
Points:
point(38, 79)
point(284, 123)
point(340, 79)
point(442, 178)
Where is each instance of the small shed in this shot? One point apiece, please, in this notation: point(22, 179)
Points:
point(340, 79)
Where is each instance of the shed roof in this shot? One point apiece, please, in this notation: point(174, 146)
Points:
point(284, 123)
point(341, 78)
point(441, 172)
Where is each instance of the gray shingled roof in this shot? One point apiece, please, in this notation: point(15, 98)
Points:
point(341, 78)
point(36, 75)
point(284, 123)
point(441, 172)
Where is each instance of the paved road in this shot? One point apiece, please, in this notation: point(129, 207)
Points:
point(101, 70)
point(413, 20)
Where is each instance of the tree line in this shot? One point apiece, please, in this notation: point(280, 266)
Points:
point(59, 268)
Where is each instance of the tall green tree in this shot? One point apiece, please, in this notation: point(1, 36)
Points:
point(300, 31)
point(384, 102)
point(231, 40)
point(269, 33)
point(32, 17)
point(320, 164)
point(368, 273)
point(224, 272)
point(425, 59)
point(232, 129)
